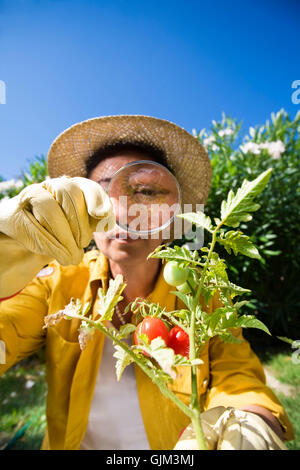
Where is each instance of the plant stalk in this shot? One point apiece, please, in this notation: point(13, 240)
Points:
point(194, 403)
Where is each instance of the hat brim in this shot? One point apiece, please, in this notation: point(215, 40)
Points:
point(185, 156)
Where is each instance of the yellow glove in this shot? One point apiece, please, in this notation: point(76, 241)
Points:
point(231, 429)
point(54, 219)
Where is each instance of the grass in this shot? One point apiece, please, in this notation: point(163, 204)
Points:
point(284, 363)
point(23, 394)
point(287, 371)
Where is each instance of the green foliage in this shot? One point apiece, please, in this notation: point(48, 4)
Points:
point(36, 173)
point(108, 300)
point(272, 275)
point(23, 393)
point(212, 276)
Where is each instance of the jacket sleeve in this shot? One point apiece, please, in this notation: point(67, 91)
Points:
point(21, 322)
point(237, 379)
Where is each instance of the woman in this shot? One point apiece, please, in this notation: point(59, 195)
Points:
point(86, 407)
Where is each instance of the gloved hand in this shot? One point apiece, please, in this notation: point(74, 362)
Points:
point(231, 429)
point(54, 219)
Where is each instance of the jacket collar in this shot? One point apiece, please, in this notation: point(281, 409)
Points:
point(98, 265)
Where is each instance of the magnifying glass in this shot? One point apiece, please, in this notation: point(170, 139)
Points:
point(145, 196)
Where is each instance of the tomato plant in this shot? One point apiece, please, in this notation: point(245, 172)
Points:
point(174, 274)
point(179, 341)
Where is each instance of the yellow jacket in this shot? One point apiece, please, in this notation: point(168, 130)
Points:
point(231, 374)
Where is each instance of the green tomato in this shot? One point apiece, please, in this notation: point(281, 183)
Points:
point(174, 275)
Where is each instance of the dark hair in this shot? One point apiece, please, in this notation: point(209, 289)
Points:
point(112, 149)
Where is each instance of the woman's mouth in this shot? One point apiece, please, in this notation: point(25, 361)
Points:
point(124, 238)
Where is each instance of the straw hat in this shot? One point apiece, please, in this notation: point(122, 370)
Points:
point(185, 156)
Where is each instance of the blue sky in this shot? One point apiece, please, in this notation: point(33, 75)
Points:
point(64, 61)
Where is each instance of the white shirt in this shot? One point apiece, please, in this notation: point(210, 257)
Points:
point(115, 421)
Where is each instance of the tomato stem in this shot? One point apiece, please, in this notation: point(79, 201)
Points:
point(195, 405)
point(176, 322)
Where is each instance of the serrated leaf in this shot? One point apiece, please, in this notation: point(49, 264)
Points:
point(214, 319)
point(217, 267)
point(163, 355)
point(126, 330)
point(208, 293)
point(238, 305)
point(123, 360)
point(237, 290)
point(239, 243)
point(237, 207)
point(143, 338)
point(176, 253)
point(198, 218)
point(250, 321)
point(285, 339)
point(228, 337)
point(108, 300)
point(187, 299)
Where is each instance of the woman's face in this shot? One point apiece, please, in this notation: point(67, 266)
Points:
point(118, 245)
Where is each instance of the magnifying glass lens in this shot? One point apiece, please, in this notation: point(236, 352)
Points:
point(145, 196)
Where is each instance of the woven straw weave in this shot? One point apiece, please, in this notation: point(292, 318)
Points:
point(185, 156)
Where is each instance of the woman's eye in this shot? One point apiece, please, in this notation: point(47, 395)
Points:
point(146, 192)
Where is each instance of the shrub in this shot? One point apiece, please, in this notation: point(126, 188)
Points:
point(36, 173)
point(275, 229)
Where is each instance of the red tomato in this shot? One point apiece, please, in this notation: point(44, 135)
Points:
point(152, 327)
point(179, 341)
point(181, 432)
point(137, 333)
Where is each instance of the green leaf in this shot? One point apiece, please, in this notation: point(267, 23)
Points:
point(250, 321)
point(187, 299)
point(163, 355)
point(237, 290)
point(123, 360)
point(272, 252)
point(142, 338)
point(108, 301)
point(214, 319)
point(208, 293)
point(177, 253)
point(238, 243)
point(217, 268)
point(238, 206)
point(240, 304)
point(228, 337)
point(198, 218)
point(126, 330)
point(285, 339)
